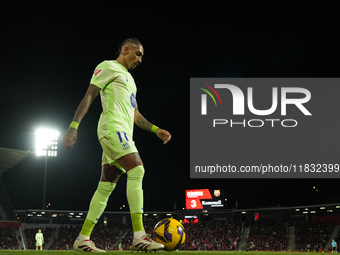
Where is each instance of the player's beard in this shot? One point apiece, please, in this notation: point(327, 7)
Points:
point(133, 67)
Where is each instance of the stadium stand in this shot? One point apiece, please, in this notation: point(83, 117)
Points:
point(222, 236)
point(8, 239)
point(267, 237)
point(65, 237)
point(6, 208)
point(203, 235)
point(8, 159)
point(311, 236)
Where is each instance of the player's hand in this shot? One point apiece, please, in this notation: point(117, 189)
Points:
point(70, 137)
point(164, 135)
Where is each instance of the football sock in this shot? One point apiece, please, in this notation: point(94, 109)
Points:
point(97, 207)
point(82, 237)
point(137, 224)
point(134, 195)
point(86, 230)
point(138, 234)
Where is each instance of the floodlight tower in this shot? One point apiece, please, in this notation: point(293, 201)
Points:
point(46, 146)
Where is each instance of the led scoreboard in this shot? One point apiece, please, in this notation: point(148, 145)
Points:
point(205, 199)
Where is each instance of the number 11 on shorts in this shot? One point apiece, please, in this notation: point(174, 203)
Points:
point(120, 137)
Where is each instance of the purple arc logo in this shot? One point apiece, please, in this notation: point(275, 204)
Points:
point(204, 97)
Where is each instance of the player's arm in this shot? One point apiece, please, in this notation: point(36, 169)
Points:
point(70, 136)
point(141, 122)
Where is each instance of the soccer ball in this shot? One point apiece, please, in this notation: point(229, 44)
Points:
point(169, 232)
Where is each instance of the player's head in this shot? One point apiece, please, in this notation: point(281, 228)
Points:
point(39, 230)
point(130, 52)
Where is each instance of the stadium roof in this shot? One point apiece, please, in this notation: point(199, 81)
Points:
point(10, 157)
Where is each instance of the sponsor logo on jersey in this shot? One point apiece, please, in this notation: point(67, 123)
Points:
point(133, 100)
point(97, 72)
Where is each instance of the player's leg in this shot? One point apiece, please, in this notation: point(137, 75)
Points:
point(111, 172)
point(134, 167)
point(109, 178)
point(38, 245)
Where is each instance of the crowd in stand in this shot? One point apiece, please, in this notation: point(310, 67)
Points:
point(65, 238)
point(311, 236)
point(218, 235)
point(267, 237)
point(104, 237)
point(221, 236)
point(8, 239)
point(127, 240)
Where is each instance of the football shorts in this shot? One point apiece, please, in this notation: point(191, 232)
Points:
point(116, 145)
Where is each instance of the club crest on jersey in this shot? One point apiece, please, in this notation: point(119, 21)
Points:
point(133, 100)
point(97, 72)
point(126, 146)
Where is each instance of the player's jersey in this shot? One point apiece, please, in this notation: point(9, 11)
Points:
point(39, 237)
point(118, 92)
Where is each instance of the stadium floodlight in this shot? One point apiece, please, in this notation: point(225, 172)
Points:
point(46, 145)
point(46, 142)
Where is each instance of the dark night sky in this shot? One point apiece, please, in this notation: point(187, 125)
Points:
point(48, 55)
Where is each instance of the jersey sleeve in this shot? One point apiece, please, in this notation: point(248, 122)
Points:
point(103, 75)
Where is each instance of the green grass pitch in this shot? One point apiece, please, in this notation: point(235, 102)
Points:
point(50, 252)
